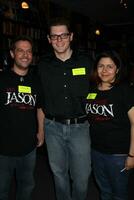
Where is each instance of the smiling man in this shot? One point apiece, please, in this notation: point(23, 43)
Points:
point(21, 117)
point(64, 75)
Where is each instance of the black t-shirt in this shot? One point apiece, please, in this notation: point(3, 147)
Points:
point(109, 123)
point(19, 99)
point(65, 84)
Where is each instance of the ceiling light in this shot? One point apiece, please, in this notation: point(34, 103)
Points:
point(97, 32)
point(24, 5)
point(124, 3)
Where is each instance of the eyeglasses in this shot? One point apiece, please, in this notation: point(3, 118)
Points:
point(61, 36)
point(22, 52)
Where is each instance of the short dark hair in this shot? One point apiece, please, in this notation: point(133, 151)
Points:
point(20, 38)
point(59, 21)
point(115, 57)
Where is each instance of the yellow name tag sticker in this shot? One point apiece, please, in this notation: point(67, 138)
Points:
point(24, 89)
point(79, 71)
point(91, 95)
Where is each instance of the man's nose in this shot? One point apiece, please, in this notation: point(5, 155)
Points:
point(59, 38)
point(25, 53)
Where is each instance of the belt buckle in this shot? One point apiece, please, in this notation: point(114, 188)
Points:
point(68, 121)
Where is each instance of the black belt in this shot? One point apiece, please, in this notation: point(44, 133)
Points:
point(77, 120)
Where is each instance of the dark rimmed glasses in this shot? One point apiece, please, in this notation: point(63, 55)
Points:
point(61, 36)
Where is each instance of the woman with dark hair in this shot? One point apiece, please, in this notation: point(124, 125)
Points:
point(110, 110)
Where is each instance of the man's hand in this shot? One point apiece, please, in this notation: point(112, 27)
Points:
point(40, 138)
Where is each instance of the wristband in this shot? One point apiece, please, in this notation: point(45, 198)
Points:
point(129, 155)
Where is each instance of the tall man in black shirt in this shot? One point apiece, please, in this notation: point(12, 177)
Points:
point(64, 75)
point(20, 107)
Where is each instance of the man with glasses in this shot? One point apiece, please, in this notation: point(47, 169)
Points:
point(64, 75)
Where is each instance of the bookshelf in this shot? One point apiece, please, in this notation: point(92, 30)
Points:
point(13, 22)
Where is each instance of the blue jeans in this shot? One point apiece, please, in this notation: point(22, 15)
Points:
point(69, 157)
point(112, 182)
point(24, 168)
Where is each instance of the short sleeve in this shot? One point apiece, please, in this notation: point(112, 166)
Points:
point(40, 95)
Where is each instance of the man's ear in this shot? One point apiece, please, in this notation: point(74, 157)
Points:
point(49, 40)
point(71, 36)
point(11, 53)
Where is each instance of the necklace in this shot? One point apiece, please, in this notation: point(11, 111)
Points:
point(21, 79)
